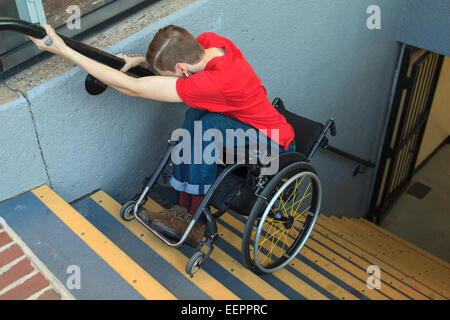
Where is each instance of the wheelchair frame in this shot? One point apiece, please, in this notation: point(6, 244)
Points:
point(131, 208)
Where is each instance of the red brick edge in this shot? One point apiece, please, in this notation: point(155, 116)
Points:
point(19, 278)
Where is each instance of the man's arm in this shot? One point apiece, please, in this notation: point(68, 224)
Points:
point(155, 87)
point(160, 88)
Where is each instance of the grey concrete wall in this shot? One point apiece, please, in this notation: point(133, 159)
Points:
point(21, 163)
point(318, 56)
point(426, 24)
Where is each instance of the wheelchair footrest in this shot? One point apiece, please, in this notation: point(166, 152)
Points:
point(170, 233)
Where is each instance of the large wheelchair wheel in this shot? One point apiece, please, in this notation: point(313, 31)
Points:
point(282, 218)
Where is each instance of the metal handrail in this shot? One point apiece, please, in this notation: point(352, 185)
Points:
point(36, 31)
point(366, 163)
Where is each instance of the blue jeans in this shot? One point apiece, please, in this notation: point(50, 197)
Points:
point(197, 178)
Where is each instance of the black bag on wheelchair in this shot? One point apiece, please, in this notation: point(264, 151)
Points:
point(231, 188)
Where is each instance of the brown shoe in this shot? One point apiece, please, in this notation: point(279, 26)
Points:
point(176, 226)
point(149, 216)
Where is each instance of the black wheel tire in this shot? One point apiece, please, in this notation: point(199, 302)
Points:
point(126, 212)
point(193, 264)
point(292, 169)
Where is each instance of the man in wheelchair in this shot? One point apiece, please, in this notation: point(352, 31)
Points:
point(211, 75)
point(225, 93)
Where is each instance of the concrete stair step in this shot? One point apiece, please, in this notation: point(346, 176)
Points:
point(320, 271)
point(74, 251)
point(427, 263)
point(329, 236)
point(363, 238)
point(123, 260)
point(417, 265)
point(406, 244)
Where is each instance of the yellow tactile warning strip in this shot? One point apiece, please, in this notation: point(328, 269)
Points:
point(405, 243)
point(302, 267)
point(203, 280)
point(132, 273)
point(333, 243)
point(339, 272)
point(333, 229)
point(414, 267)
point(429, 265)
point(283, 275)
point(332, 264)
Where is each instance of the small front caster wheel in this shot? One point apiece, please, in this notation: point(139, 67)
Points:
point(127, 211)
point(194, 262)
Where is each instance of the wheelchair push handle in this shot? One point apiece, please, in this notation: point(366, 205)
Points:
point(332, 127)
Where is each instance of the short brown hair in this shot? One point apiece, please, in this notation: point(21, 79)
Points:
point(172, 45)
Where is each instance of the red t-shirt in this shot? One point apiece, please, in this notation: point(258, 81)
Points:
point(229, 85)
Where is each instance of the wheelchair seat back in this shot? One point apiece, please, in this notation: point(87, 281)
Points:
point(306, 131)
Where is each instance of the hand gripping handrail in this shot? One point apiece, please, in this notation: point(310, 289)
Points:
point(36, 31)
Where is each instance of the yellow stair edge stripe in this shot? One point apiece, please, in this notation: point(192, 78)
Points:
point(132, 273)
point(253, 281)
point(413, 263)
point(345, 252)
point(342, 236)
point(201, 279)
point(373, 249)
point(432, 268)
point(301, 267)
point(283, 274)
point(352, 275)
point(402, 248)
point(345, 271)
point(406, 243)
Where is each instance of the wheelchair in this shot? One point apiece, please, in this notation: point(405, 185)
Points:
point(281, 209)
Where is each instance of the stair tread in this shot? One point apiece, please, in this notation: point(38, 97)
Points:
point(406, 243)
point(349, 230)
point(426, 265)
point(129, 270)
point(336, 233)
point(64, 241)
point(332, 264)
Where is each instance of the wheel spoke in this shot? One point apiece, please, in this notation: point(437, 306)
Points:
point(303, 198)
point(269, 236)
point(300, 215)
point(273, 246)
point(292, 193)
point(289, 200)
